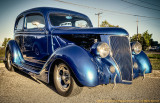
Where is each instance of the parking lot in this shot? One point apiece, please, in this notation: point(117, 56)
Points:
point(17, 87)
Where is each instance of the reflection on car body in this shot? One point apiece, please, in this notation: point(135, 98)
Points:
point(61, 47)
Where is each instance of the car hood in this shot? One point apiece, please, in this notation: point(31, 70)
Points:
point(104, 30)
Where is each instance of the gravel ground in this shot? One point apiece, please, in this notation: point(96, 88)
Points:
point(17, 87)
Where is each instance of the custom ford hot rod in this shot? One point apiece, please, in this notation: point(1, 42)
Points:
point(61, 47)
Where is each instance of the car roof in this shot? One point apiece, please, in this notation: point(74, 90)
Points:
point(46, 9)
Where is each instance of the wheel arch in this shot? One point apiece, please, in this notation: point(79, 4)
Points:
point(58, 61)
point(80, 63)
point(144, 63)
point(15, 51)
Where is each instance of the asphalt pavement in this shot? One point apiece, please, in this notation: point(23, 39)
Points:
point(18, 87)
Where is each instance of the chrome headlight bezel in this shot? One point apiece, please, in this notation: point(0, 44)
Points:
point(103, 49)
point(136, 47)
point(100, 49)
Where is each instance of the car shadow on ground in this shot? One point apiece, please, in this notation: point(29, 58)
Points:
point(51, 86)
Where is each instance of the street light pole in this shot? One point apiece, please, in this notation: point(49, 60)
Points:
point(137, 28)
point(98, 14)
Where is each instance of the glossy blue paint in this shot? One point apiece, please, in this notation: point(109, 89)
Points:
point(13, 47)
point(143, 63)
point(80, 61)
point(105, 74)
point(87, 66)
point(107, 31)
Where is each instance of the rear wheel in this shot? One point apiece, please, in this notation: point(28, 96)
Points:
point(64, 81)
point(9, 61)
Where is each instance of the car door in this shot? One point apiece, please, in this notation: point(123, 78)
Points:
point(18, 30)
point(35, 40)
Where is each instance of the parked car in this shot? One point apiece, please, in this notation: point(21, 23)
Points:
point(61, 47)
point(154, 48)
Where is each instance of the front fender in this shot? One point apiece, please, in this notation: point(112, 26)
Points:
point(80, 62)
point(13, 47)
point(143, 63)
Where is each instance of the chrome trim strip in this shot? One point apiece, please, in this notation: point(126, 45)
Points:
point(30, 32)
point(58, 41)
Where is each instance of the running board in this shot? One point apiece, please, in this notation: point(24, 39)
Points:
point(35, 73)
point(27, 68)
point(36, 79)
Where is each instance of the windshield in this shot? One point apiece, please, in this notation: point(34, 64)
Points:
point(62, 19)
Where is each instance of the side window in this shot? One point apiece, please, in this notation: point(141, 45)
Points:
point(34, 21)
point(19, 25)
point(81, 23)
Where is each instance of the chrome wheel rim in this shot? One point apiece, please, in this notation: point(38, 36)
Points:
point(9, 60)
point(63, 77)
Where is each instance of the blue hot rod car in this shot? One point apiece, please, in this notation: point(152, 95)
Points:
point(61, 47)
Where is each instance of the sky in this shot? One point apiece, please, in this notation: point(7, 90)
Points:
point(116, 12)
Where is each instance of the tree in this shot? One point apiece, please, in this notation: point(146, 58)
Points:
point(147, 38)
point(6, 40)
point(105, 23)
point(140, 39)
point(144, 39)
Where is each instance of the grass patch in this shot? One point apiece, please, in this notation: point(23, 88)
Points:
point(1, 61)
point(155, 64)
point(154, 59)
point(2, 54)
point(153, 56)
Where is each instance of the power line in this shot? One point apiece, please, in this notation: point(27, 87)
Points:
point(140, 5)
point(128, 7)
point(111, 11)
point(148, 20)
point(149, 3)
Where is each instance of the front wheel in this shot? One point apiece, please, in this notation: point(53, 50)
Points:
point(9, 61)
point(64, 81)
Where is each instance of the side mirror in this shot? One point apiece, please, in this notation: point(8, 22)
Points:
point(36, 23)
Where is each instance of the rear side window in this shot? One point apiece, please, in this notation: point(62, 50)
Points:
point(19, 25)
point(34, 21)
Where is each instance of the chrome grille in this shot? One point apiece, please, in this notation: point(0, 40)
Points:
point(121, 53)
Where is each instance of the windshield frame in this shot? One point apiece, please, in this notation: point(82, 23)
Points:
point(73, 14)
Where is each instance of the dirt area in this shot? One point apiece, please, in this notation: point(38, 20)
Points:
point(17, 87)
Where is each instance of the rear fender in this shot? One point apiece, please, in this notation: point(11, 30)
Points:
point(13, 47)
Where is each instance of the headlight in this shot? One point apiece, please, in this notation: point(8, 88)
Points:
point(103, 49)
point(136, 47)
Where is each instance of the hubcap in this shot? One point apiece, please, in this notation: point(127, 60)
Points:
point(63, 78)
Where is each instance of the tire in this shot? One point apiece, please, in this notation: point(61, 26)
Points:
point(64, 82)
point(9, 61)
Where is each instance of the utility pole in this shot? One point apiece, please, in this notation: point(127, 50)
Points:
point(137, 28)
point(98, 17)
